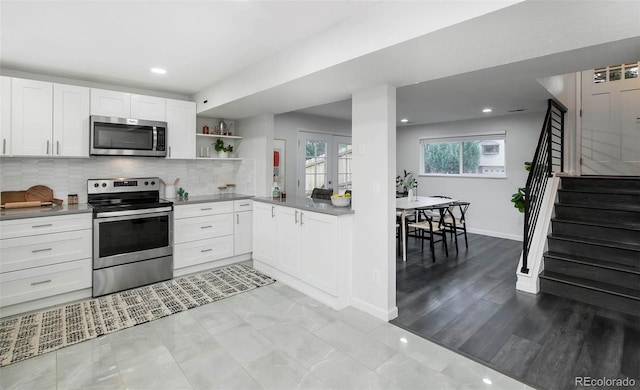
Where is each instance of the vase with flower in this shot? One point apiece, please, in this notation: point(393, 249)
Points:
point(408, 184)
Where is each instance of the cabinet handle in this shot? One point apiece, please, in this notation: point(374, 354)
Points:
point(41, 250)
point(4, 146)
point(206, 250)
point(237, 219)
point(169, 155)
point(272, 211)
point(45, 225)
point(296, 216)
point(301, 214)
point(58, 147)
point(208, 208)
point(206, 227)
point(245, 204)
point(43, 282)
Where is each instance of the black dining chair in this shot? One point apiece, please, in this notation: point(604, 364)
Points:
point(430, 228)
point(322, 193)
point(455, 221)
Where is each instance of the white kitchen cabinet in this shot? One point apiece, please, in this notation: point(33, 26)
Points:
point(148, 107)
point(5, 115)
point(318, 252)
point(110, 103)
point(46, 119)
point(288, 250)
point(126, 105)
point(44, 261)
point(243, 227)
point(70, 121)
point(203, 232)
point(264, 232)
point(31, 117)
point(181, 122)
point(310, 251)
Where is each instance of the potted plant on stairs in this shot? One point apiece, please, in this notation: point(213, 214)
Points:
point(222, 149)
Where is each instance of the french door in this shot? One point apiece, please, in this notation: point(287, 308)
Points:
point(324, 161)
point(610, 141)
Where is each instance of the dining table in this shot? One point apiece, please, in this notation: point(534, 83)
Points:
point(417, 202)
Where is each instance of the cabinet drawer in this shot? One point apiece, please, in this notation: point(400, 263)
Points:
point(40, 282)
point(28, 252)
point(200, 228)
point(201, 209)
point(44, 225)
point(198, 252)
point(242, 205)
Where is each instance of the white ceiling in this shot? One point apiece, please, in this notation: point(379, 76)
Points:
point(489, 60)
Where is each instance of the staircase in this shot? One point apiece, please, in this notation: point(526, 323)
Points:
point(594, 251)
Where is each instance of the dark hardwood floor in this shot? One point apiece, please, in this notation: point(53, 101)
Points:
point(468, 303)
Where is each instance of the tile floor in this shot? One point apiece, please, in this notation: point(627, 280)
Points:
point(270, 338)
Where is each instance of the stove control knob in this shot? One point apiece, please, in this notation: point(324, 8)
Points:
point(153, 183)
point(104, 184)
point(96, 185)
point(146, 183)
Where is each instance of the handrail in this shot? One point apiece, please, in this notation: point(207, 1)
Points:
point(548, 158)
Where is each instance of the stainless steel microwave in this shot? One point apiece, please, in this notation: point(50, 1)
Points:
point(127, 137)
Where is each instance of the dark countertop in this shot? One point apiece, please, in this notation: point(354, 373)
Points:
point(209, 198)
point(46, 211)
point(317, 205)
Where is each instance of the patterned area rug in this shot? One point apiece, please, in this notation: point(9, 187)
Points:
point(48, 330)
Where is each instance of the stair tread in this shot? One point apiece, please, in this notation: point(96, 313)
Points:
point(608, 191)
point(599, 224)
point(592, 284)
point(608, 206)
point(614, 244)
point(594, 262)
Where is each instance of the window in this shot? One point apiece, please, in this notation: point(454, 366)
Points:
point(481, 155)
point(616, 72)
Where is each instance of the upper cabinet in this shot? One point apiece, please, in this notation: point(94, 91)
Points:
point(31, 117)
point(181, 120)
point(70, 121)
point(111, 103)
point(5, 115)
point(148, 107)
point(127, 105)
point(43, 119)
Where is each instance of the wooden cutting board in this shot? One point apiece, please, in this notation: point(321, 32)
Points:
point(16, 205)
point(12, 196)
point(41, 193)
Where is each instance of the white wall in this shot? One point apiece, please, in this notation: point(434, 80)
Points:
point(69, 176)
point(286, 128)
point(491, 211)
point(256, 148)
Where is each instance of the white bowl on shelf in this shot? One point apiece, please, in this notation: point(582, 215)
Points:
point(341, 201)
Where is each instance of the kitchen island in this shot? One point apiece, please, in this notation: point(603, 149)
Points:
point(307, 244)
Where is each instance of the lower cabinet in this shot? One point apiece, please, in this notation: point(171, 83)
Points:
point(310, 251)
point(206, 232)
point(43, 258)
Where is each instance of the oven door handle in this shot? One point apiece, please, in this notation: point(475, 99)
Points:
point(133, 212)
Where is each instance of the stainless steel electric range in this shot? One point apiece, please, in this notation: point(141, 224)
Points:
point(132, 234)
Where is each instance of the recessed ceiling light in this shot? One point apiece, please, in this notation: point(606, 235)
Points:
point(487, 381)
point(403, 340)
point(404, 120)
point(487, 109)
point(158, 70)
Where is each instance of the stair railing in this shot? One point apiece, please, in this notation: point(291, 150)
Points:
point(548, 158)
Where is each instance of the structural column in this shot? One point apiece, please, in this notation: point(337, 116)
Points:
point(374, 167)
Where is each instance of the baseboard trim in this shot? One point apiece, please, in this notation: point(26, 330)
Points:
point(378, 312)
point(211, 265)
point(491, 233)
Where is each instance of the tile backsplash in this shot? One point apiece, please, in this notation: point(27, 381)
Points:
point(69, 176)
